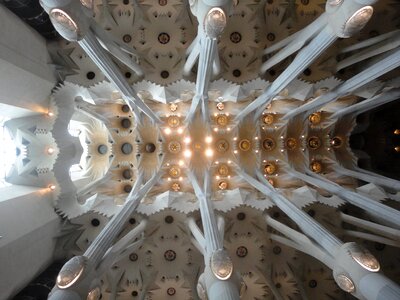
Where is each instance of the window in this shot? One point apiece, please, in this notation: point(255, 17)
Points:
point(8, 152)
point(74, 128)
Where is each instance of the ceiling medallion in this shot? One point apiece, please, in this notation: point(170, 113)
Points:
point(223, 170)
point(221, 264)
point(222, 120)
point(102, 149)
point(173, 121)
point(315, 118)
point(150, 148)
point(222, 185)
point(222, 145)
point(220, 106)
point(245, 145)
point(241, 251)
point(316, 166)
point(163, 38)
point(174, 172)
point(314, 142)
point(235, 37)
point(171, 291)
point(127, 174)
point(174, 147)
point(126, 148)
point(268, 119)
point(269, 144)
point(173, 107)
point(269, 168)
point(176, 187)
point(169, 255)
point(133, 257)
point(291, 143)
point(336, 142)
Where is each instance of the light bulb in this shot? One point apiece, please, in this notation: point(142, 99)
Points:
point(209, 152)
point(187, 153)
point(167, 131)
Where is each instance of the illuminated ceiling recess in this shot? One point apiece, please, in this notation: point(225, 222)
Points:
point(214, 159)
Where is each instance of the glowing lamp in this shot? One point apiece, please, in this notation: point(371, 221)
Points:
point(71, 272)
point(345, 283)
point(64, 24)
point(94, 294)
point(365, 259)
point(221, 264)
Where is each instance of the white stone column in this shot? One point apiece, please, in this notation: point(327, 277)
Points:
point(26, 73)
point(203, 74)
point(368, 104)
point(355, 270)
point(384, 65)
point(306, 56)
point(307, 224)
point(378, 180)
point(372, 231)
point(376, 209)
point(94, 50)
point(215, 288)
point(96, 254)
point(29, 227)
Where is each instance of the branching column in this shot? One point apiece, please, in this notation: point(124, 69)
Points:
point(94, 50)
point(368, 104)
point(217, 281)
point(379, 180)
point(353, 267)
point(384, 65)
point(305, 57)
point(376, 209)
point(301, 218)
point(80, 28)
point(87, 279)
point(212, 21)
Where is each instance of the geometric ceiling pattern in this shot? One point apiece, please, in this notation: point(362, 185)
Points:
point(201, 149)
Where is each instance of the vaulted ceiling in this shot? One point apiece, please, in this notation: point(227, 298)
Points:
point(198, 137)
